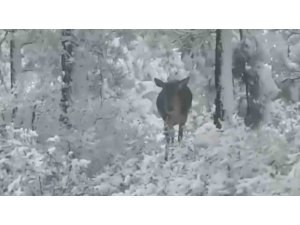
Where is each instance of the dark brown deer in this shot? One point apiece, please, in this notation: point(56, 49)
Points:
point(173, 104)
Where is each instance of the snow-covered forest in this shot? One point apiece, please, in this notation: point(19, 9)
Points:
point(78, 112)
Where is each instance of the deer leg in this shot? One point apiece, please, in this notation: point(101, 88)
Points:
point(167, 134)
point(180, 132)
point(172, 134)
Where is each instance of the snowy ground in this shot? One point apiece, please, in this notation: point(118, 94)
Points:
point(232, 161)
point(235, 161)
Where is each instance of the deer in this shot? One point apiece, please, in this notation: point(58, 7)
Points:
point(173, 105)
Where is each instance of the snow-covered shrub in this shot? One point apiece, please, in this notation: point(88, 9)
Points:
point(235, 161)
point(29, 169)
point(21, 162)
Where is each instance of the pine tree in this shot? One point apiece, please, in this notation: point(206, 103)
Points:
point(67, 64)
point(218, 116)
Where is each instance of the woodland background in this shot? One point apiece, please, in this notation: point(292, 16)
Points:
point(78, 113)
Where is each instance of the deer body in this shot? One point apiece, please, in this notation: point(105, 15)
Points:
point(173, 104)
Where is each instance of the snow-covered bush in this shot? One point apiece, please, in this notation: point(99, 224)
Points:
point(27, 168)
point(235, 161)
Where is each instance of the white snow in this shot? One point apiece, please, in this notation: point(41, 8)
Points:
point(269, 88)
point(51, 150)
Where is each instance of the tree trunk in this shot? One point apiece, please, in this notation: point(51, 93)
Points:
point(241, 34)
point(218, 63)
point(14, 68)
point(244, 73)
point(254, 107)
point(33, 117)
point(67, 69)
point(226, 75)
point(12, 62)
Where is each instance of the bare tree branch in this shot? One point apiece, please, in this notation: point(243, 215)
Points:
point(3, 82)
point(290, 79)
point(4, 37)
point(27, 43)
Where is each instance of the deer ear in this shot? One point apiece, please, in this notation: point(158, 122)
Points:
point(183, 83)
point(159, 83)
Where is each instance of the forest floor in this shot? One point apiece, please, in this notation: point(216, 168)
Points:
point(235, 160)
point(232, 161)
